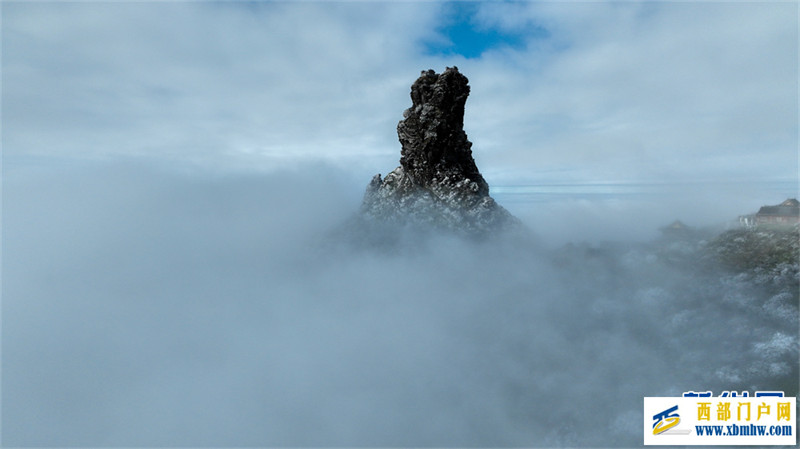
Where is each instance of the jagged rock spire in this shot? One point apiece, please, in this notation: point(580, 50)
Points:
point(432, 131)
point(437, 182)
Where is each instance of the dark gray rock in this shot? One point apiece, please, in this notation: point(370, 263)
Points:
point(437, 183)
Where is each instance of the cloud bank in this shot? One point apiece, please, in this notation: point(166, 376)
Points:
point(141, 308)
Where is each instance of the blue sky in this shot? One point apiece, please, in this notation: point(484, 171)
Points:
point(572, 92)
point(460, 33)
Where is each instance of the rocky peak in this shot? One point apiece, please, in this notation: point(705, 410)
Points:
point(432, 131)
point(437, 182)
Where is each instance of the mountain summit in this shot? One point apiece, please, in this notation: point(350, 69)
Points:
point(437, 183)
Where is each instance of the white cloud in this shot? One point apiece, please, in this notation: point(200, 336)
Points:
point(200, 81)
point(642, 91)
point(609, 91)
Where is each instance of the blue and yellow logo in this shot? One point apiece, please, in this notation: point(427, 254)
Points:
point(666, 420)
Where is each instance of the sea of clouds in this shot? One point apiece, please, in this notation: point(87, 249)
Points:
point(144, 307)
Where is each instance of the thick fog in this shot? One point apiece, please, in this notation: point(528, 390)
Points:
point(144, 307)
